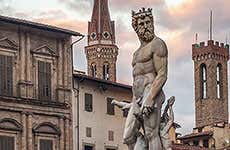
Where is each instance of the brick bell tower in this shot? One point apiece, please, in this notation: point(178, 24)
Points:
point(101, 51)
point(211, 82)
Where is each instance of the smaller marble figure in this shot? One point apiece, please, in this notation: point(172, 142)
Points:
point(167, 120)
point(141, 142)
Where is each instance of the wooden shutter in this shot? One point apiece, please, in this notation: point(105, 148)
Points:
point(9, 76)
point(111, 135)
point(6, 75)
point(44, 80)
point(2, 75)
point(110, 107)
point(40, 79)
point(48, 80)
point(88, 102)
point(88, 132)
point(87, 147)
point(7, 143)
point(45, 144)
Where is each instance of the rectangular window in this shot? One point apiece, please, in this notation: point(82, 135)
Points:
point(88, 132)
point(45, 144)
point(206, 143)
point(125, 113)
point(6, 75)
point(111, 136)
point(110, 107)
point(87, 147)
point(195, 143)
point(7, 143)
point(200, 129)
point(88, 102)
point(44, 80)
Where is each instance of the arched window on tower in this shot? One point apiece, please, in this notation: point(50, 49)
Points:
point(106, 71)
point(93, 70)
point(203, 76)
point(218, 80)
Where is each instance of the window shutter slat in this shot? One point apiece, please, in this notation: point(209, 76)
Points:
point(48, 72)
point(44, 80)
point(4, 75)
point(9, 76)
point(1, 74)
point(88, 102)
point(110, 107)
point(46, 144)
point(39, 79)
point(6, 143)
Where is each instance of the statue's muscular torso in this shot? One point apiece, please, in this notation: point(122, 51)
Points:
point(146, 64)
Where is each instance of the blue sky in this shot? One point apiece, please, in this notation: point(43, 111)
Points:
point(176, 22)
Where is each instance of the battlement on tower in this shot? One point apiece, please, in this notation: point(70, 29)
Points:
point(210, 50)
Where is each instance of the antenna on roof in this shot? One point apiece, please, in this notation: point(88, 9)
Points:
point(226, 39)
point(210, 32)
point(196, 38)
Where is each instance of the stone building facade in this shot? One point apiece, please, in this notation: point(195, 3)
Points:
point(35, 86)
point(211, 82)
point(98, 125)
point(101, 51)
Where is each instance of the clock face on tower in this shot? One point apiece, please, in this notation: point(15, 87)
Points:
point(93, 36)
point(106, 35)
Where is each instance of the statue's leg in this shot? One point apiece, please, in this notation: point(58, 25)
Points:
point(141, 143)
point(167, 144)
point(151, 126)
point(132, 127)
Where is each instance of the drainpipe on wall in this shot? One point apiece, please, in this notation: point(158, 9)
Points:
point(77, 90)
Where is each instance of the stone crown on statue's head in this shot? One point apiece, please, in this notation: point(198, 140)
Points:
point(142, 13)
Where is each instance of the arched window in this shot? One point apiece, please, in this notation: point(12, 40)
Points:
point(106, 71)
point(218, 80)
point(203, 76)
point(94, 70)
point(46, 136)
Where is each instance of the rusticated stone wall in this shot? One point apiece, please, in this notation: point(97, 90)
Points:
point(22, 115)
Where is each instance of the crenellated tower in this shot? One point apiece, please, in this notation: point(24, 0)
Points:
point(211, 82)
point(101, 51)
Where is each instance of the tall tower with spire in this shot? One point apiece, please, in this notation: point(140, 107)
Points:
point(101, 51)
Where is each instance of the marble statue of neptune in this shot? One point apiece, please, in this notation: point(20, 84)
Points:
point(142, 127)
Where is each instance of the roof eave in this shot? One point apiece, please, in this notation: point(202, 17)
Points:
point(39, 25)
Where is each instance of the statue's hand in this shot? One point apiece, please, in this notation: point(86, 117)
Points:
point(171, 101)
point(146, 110)
point(114, 102)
